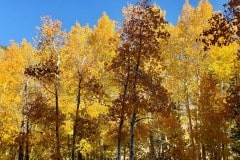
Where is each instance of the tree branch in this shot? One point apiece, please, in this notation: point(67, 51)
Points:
point(137, 120)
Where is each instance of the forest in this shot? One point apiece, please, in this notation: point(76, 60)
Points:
point(141, 90)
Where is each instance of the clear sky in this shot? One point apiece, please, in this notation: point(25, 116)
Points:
point(19, 18)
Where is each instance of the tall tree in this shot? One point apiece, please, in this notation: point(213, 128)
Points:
point(232, 14)
point(84, 74)
point(143, 28)
point(219, 46)
point(184, 61)
point(14, 59)
point(88, 51)
point(51, 39)
point(77, 54)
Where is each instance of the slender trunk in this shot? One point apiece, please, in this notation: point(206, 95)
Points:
point(80, 157)
point(152, 155)
point(57, 123)
point(197, 141)
point(134, 114)
point(119, 139)
point(121, 122)
point(27, 156)
point(189, 120)
point(204, 152)
point(24, 124)
point(124, 153)
point(202, 111)
point(199, 116)
point(223, 152)
point(133, 121)
point(76, 116)
point(21, 143)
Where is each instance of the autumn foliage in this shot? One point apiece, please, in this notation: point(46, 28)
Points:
point(144, 90)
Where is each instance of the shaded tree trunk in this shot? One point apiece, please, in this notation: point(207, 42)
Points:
point(189, 120)
point(223, 152)
point(25, 125)
point(133, 121)
point(80, 157)
point(204, 152)
point(27, 155)
point(134, 114)
point(21, 143)
point(121, 122)
point(57, 123)
point(119, 142)
point(76, 116)
point(124, 153)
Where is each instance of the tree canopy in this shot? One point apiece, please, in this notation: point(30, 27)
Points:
point(143, 89)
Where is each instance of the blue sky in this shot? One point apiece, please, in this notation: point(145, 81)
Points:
point(19, 18)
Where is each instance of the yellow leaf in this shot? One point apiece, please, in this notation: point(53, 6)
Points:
point(96, 109)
